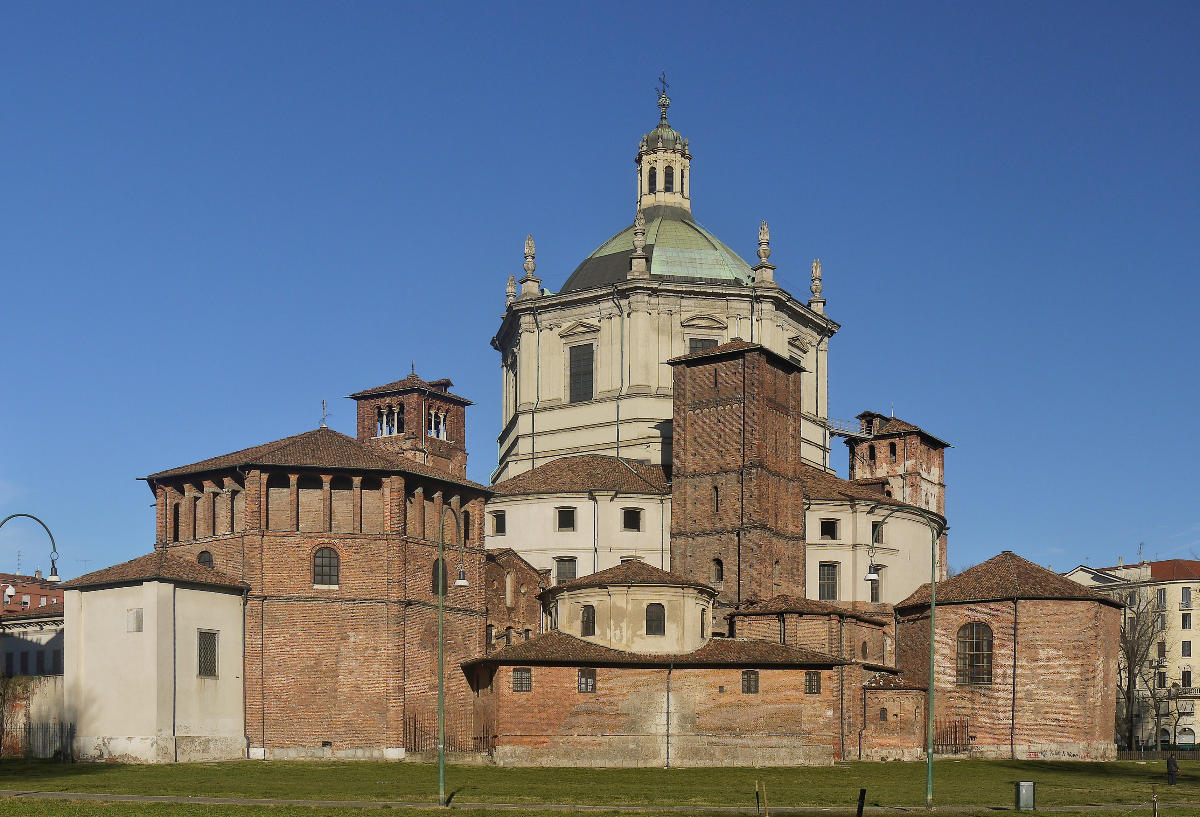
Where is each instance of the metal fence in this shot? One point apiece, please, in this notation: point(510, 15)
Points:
point(50, 740)
point(951, 736)
point(420, 734)
point(1158, 754)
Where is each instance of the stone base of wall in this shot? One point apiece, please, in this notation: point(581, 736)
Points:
point(652, 751)
point(894, 753)
point(1048, 751)
point(159, 749)
point(328, 753)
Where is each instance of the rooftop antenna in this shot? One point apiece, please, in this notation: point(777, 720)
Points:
point(18, 563)
point(324, 414)
point(85, 563)
point(893, 409)
point(414, 366)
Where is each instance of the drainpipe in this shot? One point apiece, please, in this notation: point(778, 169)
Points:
point(742, 484)
point(669, 668)
point(1012, 729)
point(621, 379)
point(662, 532)
point(595, 531)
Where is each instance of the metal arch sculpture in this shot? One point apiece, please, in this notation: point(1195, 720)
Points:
point(45, 527)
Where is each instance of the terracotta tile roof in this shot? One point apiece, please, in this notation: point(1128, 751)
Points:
point(894, 425)
point(559, 648)
point(1164, 570)
point(54, 610)
point(886, 680)
point(735, 345)
point(20, 578)
point(157, 566)
point(820, 484)
point(1005, 576)
point(631, 572)
point(320, 448)
point(413, 383)
point(587, 472)
point(796, 604)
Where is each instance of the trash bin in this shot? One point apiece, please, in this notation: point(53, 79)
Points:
point(1025, 795)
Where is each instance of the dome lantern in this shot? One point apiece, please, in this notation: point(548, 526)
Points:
point(664, 163)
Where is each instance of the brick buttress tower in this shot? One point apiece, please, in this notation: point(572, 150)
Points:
point(737, 516)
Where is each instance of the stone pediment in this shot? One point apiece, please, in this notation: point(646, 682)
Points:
point(579, 328)
point(701, 321)
point(798, 343)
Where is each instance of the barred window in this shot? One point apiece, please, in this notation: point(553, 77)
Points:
point(587, 624)
point(656, 619)
point(207, 654)
point(564, 569)
point(827, 581)
point(750, 682)
point(587, 680)
point(975, 653)
point(883, 715)
point(581, 373)
point(522, 679)
point(812, 682)
point(205, 558)
point(326, 567)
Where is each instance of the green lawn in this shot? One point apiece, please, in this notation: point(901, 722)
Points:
point(981, 784)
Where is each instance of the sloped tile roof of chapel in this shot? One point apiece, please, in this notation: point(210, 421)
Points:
point(894, 425)
point(157, 566)
point(413, 383)
point(796, 604)
point(727, 348)
point(558, 648)
point(820, 484)
point(633, 571)
point(320, 448)
point(587, 472)
point(1004, 577)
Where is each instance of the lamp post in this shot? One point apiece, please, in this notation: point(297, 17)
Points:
point(53, 547)
point(440, 579)
point(937, 527)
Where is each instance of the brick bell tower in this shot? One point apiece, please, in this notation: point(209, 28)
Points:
point(421, 421)
point(737, 507)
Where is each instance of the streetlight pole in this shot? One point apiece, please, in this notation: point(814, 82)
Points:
point(936, 528)
point(440, 587)
point(53, 547)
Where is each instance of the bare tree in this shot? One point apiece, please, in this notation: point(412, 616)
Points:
point(1137, 665)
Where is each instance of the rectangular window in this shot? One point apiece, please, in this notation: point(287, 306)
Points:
point(827, 581)
point(8, 664)
point(206, 663)
point(1186, 599)
point(1186, 624)
point(564, 570)
point(700, 344)
point(1186, 679)
point(522, 679)
point(1160, 598)
point(581, 373)
point(1186, 649)
point(587, 680)
point(57, 668)
point(877, 532)
point(1162, 649)
point(25, 662)
point(499, 523)
point(565, 518)
point(1161, 680)
point(750, 682)
point(40, 663)
point(133, 620)
point(829, 529)
point(631, 519)
point(1161, 621)
point(874, 590)
point(812, 682)
point(587, 620)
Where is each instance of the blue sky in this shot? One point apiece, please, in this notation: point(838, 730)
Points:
point(213, 216)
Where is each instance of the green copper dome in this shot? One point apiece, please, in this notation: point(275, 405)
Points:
point(679, 250)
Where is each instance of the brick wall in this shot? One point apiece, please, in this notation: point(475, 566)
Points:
point(512, 585)
point(840, 636)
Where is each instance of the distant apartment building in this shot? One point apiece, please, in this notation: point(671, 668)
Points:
point(1165, 589)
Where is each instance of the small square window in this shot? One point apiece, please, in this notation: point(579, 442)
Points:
point(207, 654)
point(587, 680)
point(631, 519)
point(829, 529)
point(566, 518)
point(522, 679)
point(499, 523)
point(750, 682)
point(812, 682)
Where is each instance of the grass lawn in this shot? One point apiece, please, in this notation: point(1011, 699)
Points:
point(969, 783)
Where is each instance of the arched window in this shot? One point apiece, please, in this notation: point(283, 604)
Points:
point(656, 619)
point(864, 650)
point(510, 595)
point(587, 620)
point(205, 558)
point(400, 419)
point(438, 579)
point(871, 452)
point(379, 422)
point(974, 653)
point(466, 526)
point(716, 499)
point(669, 180)
point(718, 570)
point(653, 180)
point(326, 567)
point(892, 451)
point(883, 715)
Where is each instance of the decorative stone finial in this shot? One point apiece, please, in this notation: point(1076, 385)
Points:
point(764, 241)
point(764, 270)
point(816, 303)
point(685, 148)
point(637, 261)
point(510, 290)
point(531, 285)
